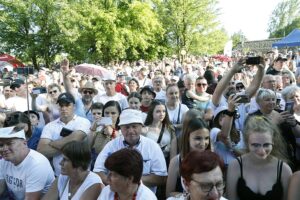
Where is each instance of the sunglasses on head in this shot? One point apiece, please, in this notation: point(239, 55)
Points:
point(201, 84)
point(88, 91)
point(54, 92)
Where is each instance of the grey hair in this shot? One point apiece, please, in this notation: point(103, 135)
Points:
point(291, 89)
point(263, 93)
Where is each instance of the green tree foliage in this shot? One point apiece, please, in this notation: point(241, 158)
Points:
point(238, 38)
point(28, 29)
point(283, 16)
point(108, 30)
point(192, 25)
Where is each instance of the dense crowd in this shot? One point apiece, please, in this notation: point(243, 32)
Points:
point(207, 128)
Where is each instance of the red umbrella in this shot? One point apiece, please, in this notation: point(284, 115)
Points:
point(91, 69)
point(222, 58)
point(11, 60)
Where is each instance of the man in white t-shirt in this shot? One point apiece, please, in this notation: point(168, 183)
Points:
point(157, 86)
point(68, 127)
point(110, 93)
point(24, 173)
point(154, 166)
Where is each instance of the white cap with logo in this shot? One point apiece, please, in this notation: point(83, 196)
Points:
point(9, 132)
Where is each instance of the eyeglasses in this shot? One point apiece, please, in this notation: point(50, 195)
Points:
point(201, 84)
point(258, 146)
point(54, 91)
point(207, 187)
point(88, 91)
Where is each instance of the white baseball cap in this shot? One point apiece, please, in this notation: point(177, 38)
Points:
point(131, 116)
point(109, 77)
point(9, 132)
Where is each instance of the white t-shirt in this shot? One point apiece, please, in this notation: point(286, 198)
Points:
point(52, 131)
point(161, 95)
point(165, 142)
point(117, 97)
point(182, 197)
point(63, 185)
point(154, 161)
point(18, 103)
point(33, 174)
point(143, 193)
point(173, 114)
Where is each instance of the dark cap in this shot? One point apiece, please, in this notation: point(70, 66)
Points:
point(32, 112)
point(66, 97)
point(149, 89)
point(18, 81)
point(280, 58)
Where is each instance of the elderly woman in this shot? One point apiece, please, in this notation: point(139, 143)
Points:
point(202, 174)
point(75, 182)
point(291, 95)
point(124, 179)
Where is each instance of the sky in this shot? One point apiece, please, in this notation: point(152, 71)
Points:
point(249, 16)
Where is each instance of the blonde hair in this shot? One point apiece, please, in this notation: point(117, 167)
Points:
point(260, 125)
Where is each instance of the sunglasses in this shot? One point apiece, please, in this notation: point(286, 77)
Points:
point(239, 87)
point(88, 91)
point(54, 92)
point(201, 84)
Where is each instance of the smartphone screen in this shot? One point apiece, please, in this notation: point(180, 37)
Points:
point(289, 107)
point(105, 121)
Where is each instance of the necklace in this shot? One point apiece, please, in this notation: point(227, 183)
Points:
point(72, 193)
point(116, 196)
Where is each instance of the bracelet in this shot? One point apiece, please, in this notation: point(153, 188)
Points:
point(229, 113)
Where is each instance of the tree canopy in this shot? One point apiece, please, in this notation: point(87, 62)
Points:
point(103, 31)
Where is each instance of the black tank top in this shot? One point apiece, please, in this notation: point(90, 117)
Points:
point(245, 193)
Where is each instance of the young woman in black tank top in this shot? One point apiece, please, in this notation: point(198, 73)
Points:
point(261, 173)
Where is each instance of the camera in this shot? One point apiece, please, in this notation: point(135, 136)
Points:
point(39, 90)
point(253, 60)
point(244, 99)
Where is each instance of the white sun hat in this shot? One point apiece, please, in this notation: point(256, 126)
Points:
point(131, 116)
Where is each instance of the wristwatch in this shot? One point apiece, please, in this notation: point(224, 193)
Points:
point(229, 113)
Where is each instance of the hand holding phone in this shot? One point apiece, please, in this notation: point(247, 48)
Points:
point(253, 60)
point(243, 99)
point(65, 132)
point(39, 90)
point(105, 121)
point(289, 107)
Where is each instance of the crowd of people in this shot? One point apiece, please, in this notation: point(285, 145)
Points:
point(203, 129)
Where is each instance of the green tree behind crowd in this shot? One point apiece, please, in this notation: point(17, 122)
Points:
point(284, 18)
point(108, 30)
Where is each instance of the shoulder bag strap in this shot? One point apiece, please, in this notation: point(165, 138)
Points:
point(161, 133)
point(178, 116)
point(64, 188)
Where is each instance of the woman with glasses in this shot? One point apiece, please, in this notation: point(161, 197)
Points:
point(262, 172)
point(202, 173)
point(48, 105)
point(203, 103)
point(288, 126)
